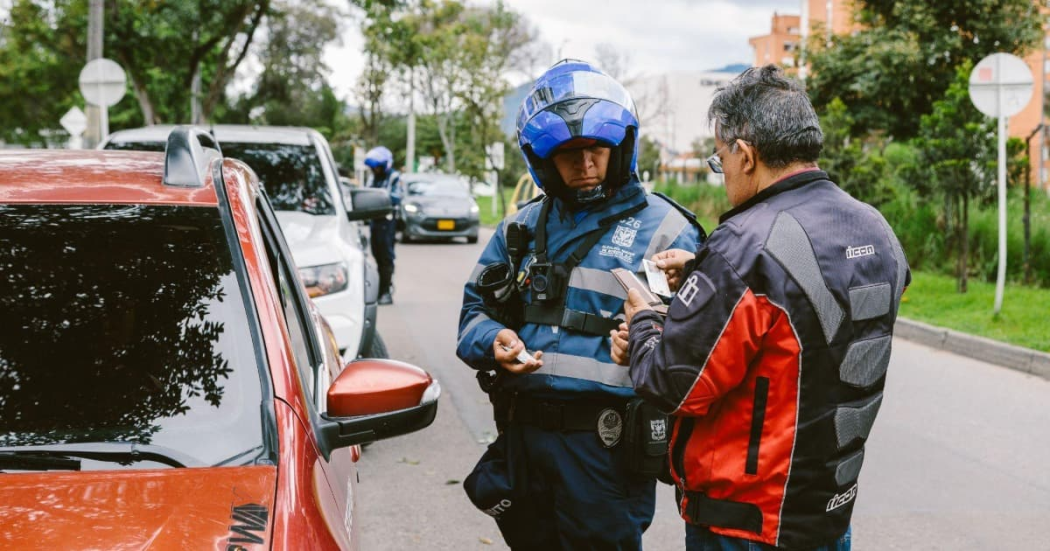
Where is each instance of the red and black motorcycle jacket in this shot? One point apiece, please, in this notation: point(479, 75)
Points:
point(773, 361)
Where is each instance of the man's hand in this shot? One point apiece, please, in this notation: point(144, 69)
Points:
point(507, 359)
point(619, 351)
point(634, 304)
point(672, 262)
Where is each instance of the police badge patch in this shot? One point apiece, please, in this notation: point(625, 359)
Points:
point(624, 236)
point(610, 427)
point(658, 429)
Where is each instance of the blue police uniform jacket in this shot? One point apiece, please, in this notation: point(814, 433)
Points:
point(392, 183)
point(573, 362)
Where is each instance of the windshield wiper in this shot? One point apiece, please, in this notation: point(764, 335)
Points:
point(115, 452)
point(25, 461)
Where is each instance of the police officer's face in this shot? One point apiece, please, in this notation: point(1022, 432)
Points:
point(582, 168)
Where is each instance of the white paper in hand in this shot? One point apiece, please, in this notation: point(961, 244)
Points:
point(523, 356)
point(657, 279)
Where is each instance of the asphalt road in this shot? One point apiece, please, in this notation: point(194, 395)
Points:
point(959, 457)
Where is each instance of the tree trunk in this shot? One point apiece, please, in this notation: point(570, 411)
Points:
point(149, 116)
point(446, 132)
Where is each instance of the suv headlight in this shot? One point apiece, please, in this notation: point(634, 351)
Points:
point(411, 208)
point(325, 279)
point(474, 208)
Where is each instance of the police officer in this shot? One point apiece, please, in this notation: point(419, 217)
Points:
point(564, 401)
point(774, 353)
point(383, 230)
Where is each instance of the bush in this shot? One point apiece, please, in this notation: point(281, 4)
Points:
point(916, 215)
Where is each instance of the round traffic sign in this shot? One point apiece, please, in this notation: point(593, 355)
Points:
point(1001, 85)
point(103, 82)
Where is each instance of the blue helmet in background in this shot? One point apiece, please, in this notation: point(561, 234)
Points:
point(379, 157)
point(572, 100)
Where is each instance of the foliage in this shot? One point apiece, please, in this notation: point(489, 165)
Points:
point(40, 48)
point(905, 56)
point(648, 156)
point(292, 87)
point(160, 45)
point(956, 142)
point(455, 57)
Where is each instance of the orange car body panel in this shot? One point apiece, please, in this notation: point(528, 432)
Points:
point(158, 509)
point(92, 177)
point(309, 501)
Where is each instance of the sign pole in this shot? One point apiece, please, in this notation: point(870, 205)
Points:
point(1000, 87)
point(1000, 279)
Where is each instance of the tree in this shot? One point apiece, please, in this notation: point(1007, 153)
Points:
point(956, 145)
point(163, 45)
point(42, 49)
point(904, 58)
point(292, 88)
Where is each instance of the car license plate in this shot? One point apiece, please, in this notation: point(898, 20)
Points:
point(446, 224)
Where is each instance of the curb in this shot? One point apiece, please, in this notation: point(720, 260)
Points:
point(1017, 358)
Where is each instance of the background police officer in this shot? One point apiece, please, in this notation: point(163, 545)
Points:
point(774, 354)
point(383, 230)
point(578, 130)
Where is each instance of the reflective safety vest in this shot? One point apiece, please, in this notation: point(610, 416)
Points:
point(634, 226)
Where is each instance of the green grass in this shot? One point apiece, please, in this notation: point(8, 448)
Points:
point(485, 206)
point(933, 299)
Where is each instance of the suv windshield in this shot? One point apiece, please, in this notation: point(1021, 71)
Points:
point(125, 323)
point(291, 174)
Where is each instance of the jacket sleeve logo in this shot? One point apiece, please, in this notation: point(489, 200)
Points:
point(688, 291)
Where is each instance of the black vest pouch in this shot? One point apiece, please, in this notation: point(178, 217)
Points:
point(646, 440)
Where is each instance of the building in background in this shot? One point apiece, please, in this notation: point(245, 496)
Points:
point(780, 47)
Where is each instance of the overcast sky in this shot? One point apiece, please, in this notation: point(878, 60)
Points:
point(660, 35)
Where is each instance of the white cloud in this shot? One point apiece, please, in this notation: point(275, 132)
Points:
point(660, 35)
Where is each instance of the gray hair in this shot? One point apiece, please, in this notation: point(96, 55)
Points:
point(770, 111)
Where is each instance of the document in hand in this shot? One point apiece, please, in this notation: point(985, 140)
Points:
point(630, 281)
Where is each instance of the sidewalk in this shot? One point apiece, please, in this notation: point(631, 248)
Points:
point(1007, 355)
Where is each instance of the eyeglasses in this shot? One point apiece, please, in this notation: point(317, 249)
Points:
point(715, 162)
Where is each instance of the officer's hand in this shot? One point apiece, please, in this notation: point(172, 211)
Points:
point(634, 304)
point(672, 262)
point(507, 359)
point(620, 342)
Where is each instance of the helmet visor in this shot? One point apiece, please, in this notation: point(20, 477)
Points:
point(577, 84)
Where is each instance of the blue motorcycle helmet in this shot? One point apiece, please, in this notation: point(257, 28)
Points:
point(379, 157)
point(574, 101)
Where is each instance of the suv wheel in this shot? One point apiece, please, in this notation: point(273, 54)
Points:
point(377, 348)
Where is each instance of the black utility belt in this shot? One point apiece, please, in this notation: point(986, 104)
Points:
point(560, 415)
point(643, 429)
